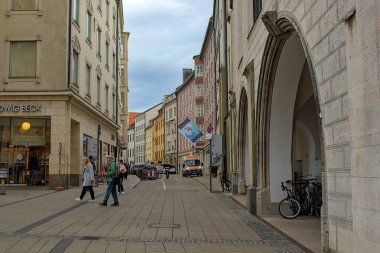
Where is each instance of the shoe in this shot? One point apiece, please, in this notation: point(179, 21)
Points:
point(91, 200)
point(103, 204)
point(115, 204)
point(122, 193)
point(78, 199)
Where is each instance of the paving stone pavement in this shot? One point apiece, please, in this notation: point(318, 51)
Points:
point(168, 215)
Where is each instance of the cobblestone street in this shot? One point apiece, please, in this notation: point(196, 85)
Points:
point(174, 215)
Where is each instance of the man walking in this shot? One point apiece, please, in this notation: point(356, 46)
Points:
point(111, 177)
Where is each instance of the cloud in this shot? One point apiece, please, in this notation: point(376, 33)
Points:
point(165, 35)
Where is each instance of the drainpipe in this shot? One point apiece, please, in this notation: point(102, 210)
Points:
point(225, 90)
point(69, 46)
point(117, 77)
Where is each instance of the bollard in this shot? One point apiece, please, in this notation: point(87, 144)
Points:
point(2, 187)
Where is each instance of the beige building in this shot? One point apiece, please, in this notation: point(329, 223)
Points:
point(123, 84)
point(170, 108)
point(149, 143)
point(298, 94)
point(59, 75)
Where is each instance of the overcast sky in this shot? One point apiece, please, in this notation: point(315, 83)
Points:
point(164, 37)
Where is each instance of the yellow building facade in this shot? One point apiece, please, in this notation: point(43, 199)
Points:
point(159, 138)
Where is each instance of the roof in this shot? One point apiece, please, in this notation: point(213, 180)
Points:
point(132, 116)
point(187, 81)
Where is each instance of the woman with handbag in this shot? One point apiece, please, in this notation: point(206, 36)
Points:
point(88, 180)
point(111, 179)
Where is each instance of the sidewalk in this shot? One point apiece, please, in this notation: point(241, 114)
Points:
point(303, 230)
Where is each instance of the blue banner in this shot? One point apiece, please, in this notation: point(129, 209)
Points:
point(190, 131)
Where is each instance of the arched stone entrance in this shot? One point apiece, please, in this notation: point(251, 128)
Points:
point(243, 143)
point(289, 137)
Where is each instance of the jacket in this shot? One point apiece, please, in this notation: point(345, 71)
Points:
point(88, 174)
point(111, 172)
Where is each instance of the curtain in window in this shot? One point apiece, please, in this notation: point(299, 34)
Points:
point(23, 59)
point(24, 5)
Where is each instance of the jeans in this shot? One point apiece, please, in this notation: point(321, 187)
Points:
point(111, 188)
point(120, 187)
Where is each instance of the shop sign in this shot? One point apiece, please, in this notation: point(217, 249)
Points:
point(20, 108)
point(3, 172)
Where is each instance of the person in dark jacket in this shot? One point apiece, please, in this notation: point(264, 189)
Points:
point(111, 177)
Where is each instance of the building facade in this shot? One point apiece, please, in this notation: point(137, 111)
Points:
point(131, 144)
point(149, 143)
point(170, 107)
point(123, 84)
point(207, 57)
point(140, 139)
point(159, 138)
point(55, 69)
point(186, 109)
point(297, 94)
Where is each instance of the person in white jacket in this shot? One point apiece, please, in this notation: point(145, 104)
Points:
point(88, 179)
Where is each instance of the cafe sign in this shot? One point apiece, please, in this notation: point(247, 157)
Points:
point(20, 108)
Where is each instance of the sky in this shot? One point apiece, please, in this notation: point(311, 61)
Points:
point(164, 37)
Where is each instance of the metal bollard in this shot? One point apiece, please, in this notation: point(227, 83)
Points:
point(2, 187)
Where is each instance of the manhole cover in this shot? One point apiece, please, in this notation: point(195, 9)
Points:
point(163, 225)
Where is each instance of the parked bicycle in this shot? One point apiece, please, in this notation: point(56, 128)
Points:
point(225, 182)
point(289, 207)
point(310, 196)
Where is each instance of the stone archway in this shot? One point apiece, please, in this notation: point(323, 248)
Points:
point(288, 130)
point(243, 143)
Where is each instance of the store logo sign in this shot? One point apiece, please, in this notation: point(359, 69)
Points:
point(20, 108)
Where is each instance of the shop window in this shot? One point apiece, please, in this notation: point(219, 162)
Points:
point(23, 59)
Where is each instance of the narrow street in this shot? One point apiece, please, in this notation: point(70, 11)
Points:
point(174, 215)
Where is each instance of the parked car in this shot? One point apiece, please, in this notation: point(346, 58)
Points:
point(149, 172)
point(169, 167)
point(160, 169)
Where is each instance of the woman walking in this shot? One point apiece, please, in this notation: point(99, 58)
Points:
point(120, 187)
point(88, 179)
point(111, 179)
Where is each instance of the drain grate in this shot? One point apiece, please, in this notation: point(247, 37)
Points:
point(163, 225)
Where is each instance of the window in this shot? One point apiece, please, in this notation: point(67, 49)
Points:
point(108, 14)
point(257, 6)
point(24, 5)
point(88, 79)
point(23, 59)
point(122, 73)
point(100, 4)
point(98, 90)
point(75, 67)
point(107, 53)
point(107, 99)
point(114, 64)
point(76, 11)
point(88, 28)
point(99, 40)
point(113, 104)
point(114, 26)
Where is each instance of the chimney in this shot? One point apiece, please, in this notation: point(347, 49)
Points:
point(186, 73)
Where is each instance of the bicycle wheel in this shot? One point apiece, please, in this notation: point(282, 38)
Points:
point(289, 208)
point(227, 186)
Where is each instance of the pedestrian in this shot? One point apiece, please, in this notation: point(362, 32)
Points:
point(88, 179)
point(120, 188)
point(111, 179)
point(95, 169)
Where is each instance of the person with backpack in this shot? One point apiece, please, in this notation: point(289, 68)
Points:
point(111, 179)
point(122, 170)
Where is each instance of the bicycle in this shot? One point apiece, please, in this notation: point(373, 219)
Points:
point(310, 197)
point(289, 207)
point(225, 182)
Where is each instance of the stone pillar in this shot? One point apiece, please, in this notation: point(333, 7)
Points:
point(362, 34)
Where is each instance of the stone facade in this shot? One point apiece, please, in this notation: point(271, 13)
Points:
point(170, 108)
point(338, 41)
point(65, 84)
